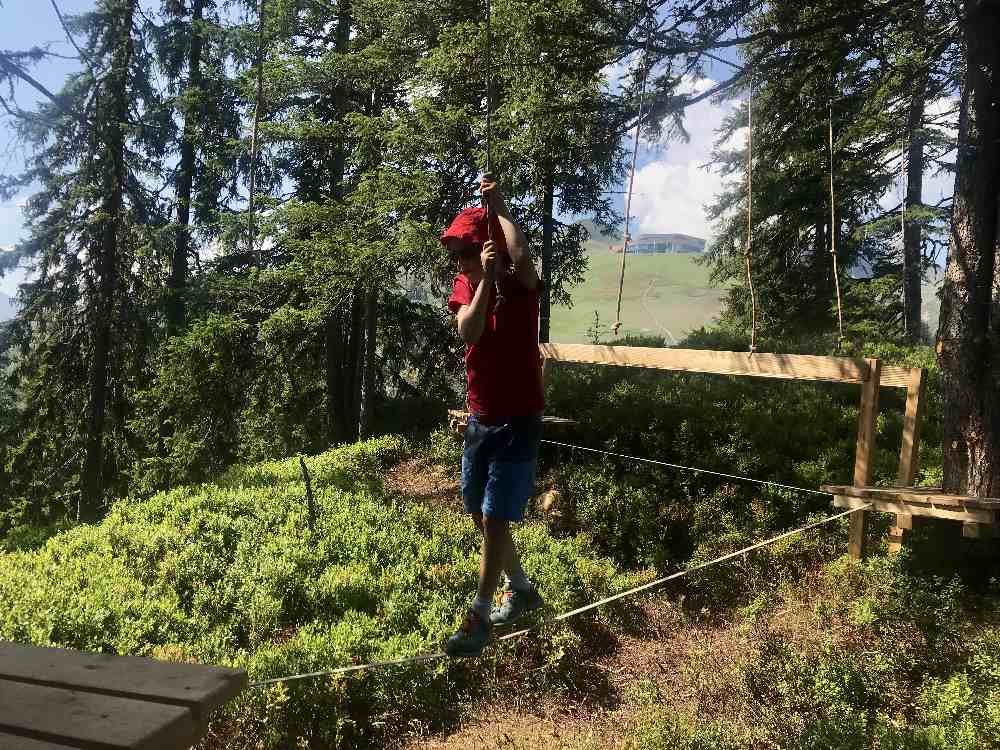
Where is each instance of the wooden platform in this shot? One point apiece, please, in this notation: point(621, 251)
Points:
point(979, 515)
point(458, 419)
point(55, 698)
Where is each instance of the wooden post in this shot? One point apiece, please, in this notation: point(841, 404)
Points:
point(909, 453)
point(910, 448)
point(897, 534)
point(867, 413)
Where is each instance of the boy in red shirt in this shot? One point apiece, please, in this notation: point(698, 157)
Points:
point(503, 369)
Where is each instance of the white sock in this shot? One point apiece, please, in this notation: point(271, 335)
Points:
point(519, 582)
point(483, 607)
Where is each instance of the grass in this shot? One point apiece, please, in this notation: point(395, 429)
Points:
point(665, 295)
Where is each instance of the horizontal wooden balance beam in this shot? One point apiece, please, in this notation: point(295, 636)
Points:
point(783, 366)
point(929, 502)
point(57, 698)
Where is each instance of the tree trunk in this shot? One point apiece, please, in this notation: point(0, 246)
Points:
point(336, 398)
point(352, 366)
point(548, 227)
point(185, 178)
point(254, 146)
point(912, 240)
point(969, 332)
point(335, 415)
point(368, 395)
point(106, 261)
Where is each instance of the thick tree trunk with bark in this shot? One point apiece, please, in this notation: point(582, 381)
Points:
point(969, 332)
point(912, 239)
point(548, 230)
point(106, 261)
point(185, 178)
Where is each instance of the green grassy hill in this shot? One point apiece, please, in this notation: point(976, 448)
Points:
point(666, 295)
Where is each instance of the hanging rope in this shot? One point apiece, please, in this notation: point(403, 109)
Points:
point(748, 254)
point(631, 180)
point(833, 241)
point(902, 225)
point(489, 132)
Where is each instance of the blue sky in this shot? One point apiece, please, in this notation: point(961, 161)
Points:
point(24, 24)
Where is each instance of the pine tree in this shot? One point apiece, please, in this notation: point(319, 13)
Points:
point(81, 340)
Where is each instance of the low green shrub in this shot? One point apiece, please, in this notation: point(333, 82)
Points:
point(230, 573)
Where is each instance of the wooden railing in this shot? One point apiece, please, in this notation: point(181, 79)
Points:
point(870, 374)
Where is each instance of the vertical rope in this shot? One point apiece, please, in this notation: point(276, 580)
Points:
point(631, 182)
point(489, 132)
point(902, 224)
point(748, 254)
point(833, 240)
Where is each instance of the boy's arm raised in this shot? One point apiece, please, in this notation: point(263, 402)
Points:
point(472, 317)
point(517, 243)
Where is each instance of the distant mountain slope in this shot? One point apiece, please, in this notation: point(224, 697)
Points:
point(666, 294)
point(8, 308)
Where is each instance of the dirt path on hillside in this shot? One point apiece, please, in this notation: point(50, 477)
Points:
point(687, 666)
point(642, 300)
point(673, 662)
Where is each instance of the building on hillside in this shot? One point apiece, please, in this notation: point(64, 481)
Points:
point(663, 243)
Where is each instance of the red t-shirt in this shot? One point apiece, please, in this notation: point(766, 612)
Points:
point(504, 368)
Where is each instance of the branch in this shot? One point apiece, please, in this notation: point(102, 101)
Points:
point(62, 22)
point(13, 69)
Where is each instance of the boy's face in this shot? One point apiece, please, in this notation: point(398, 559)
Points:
point(468, 261)
point(466, 255)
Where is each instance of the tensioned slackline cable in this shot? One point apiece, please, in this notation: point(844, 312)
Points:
point(564, 615)
point(687, 468)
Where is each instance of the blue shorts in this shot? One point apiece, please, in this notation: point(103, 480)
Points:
point(498, 466)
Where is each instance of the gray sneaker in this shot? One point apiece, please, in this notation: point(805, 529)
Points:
point(515, 603)
point(471, 637)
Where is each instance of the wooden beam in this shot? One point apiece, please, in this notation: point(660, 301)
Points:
point(195, 686)
point(90, 721)
point(785, 366)
point(898, 377)
point(867, 413)
point(909, 451)
point(919, 495)
point(928, 511)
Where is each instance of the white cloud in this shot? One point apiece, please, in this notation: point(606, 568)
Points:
point(673, 187)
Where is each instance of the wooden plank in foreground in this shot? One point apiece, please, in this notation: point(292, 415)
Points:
point(195, 686)
point(11, 742)
point(92, 722)
point(787, 366)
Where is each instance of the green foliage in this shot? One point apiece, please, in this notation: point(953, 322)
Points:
point(229, 572)
point(190, 410)
point(794, 433)
point(885, 658)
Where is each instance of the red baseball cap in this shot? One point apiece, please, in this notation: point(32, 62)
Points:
point(470, 226)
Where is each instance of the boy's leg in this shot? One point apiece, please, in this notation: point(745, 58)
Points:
point(497, 546)
point(476, 628)
point(511, 483)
